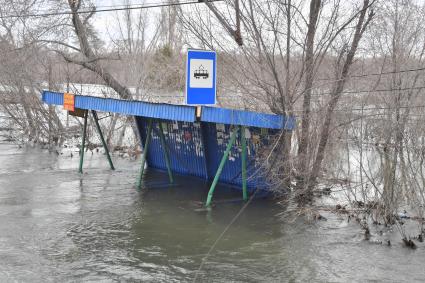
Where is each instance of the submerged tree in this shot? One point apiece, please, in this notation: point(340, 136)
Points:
point(284, 49)
point(23, 67)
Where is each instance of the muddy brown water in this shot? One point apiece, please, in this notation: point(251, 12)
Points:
point(56, 226)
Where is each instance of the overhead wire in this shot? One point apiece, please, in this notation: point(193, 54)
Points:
point(376, 74)
point(367, 91)
point(300, 110)
point(316, 94)
point(125, 8)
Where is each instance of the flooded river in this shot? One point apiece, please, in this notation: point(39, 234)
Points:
point(56, 226)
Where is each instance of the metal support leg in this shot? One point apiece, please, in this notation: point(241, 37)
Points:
point(105, 146)
point(80, 170)
point(220, 167)
point(244, 151)
point(167, 159)
point(145, 151)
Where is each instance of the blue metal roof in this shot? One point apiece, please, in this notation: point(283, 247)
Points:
point(175, 112)
point(137, 108)
point(246, 118)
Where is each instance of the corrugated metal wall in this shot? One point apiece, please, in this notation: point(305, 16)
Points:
point(196, 149)
point(218, 136)
point(184, 143)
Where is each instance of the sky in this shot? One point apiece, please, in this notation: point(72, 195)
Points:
point(106, 22)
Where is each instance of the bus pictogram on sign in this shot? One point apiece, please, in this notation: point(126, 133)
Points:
point(201, 73)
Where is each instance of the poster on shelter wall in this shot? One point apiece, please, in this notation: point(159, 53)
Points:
point(68, 102)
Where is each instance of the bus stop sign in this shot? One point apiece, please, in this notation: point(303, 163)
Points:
point(201, 77)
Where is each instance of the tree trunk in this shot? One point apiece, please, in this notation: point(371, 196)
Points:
point(92, 62)
point(325, 131)
point(315, 6)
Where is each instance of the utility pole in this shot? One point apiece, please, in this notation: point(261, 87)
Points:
point(50, 107)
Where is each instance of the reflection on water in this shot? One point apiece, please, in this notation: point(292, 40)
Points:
point(57, 226)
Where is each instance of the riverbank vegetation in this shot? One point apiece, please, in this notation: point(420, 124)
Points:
point(351, 73)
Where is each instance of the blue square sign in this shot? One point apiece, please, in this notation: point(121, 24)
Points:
point(201, 77)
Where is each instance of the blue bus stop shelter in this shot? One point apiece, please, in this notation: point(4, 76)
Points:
point(220, 144)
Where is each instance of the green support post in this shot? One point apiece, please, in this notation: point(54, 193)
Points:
point(244, 152)
point(145, 151)
point(167, 159)
point(80, 170)
point(220, 167)
point(105, 146)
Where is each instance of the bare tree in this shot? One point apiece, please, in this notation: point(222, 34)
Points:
point(21, 77)
point(282, 53)
point(364, 19)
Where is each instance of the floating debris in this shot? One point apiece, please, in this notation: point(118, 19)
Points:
point(409, 243)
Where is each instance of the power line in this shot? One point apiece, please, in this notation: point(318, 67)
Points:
point(236, 97)
point(372, 90)
point(354, 91)
point(144, 3)
point(376, 74)
point(324, 109)
point(346, 110)
point(367, 108)
point(140, 7)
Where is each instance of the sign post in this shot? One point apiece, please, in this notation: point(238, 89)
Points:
point(201, 71)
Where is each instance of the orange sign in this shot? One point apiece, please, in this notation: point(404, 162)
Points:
point(68, 102)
